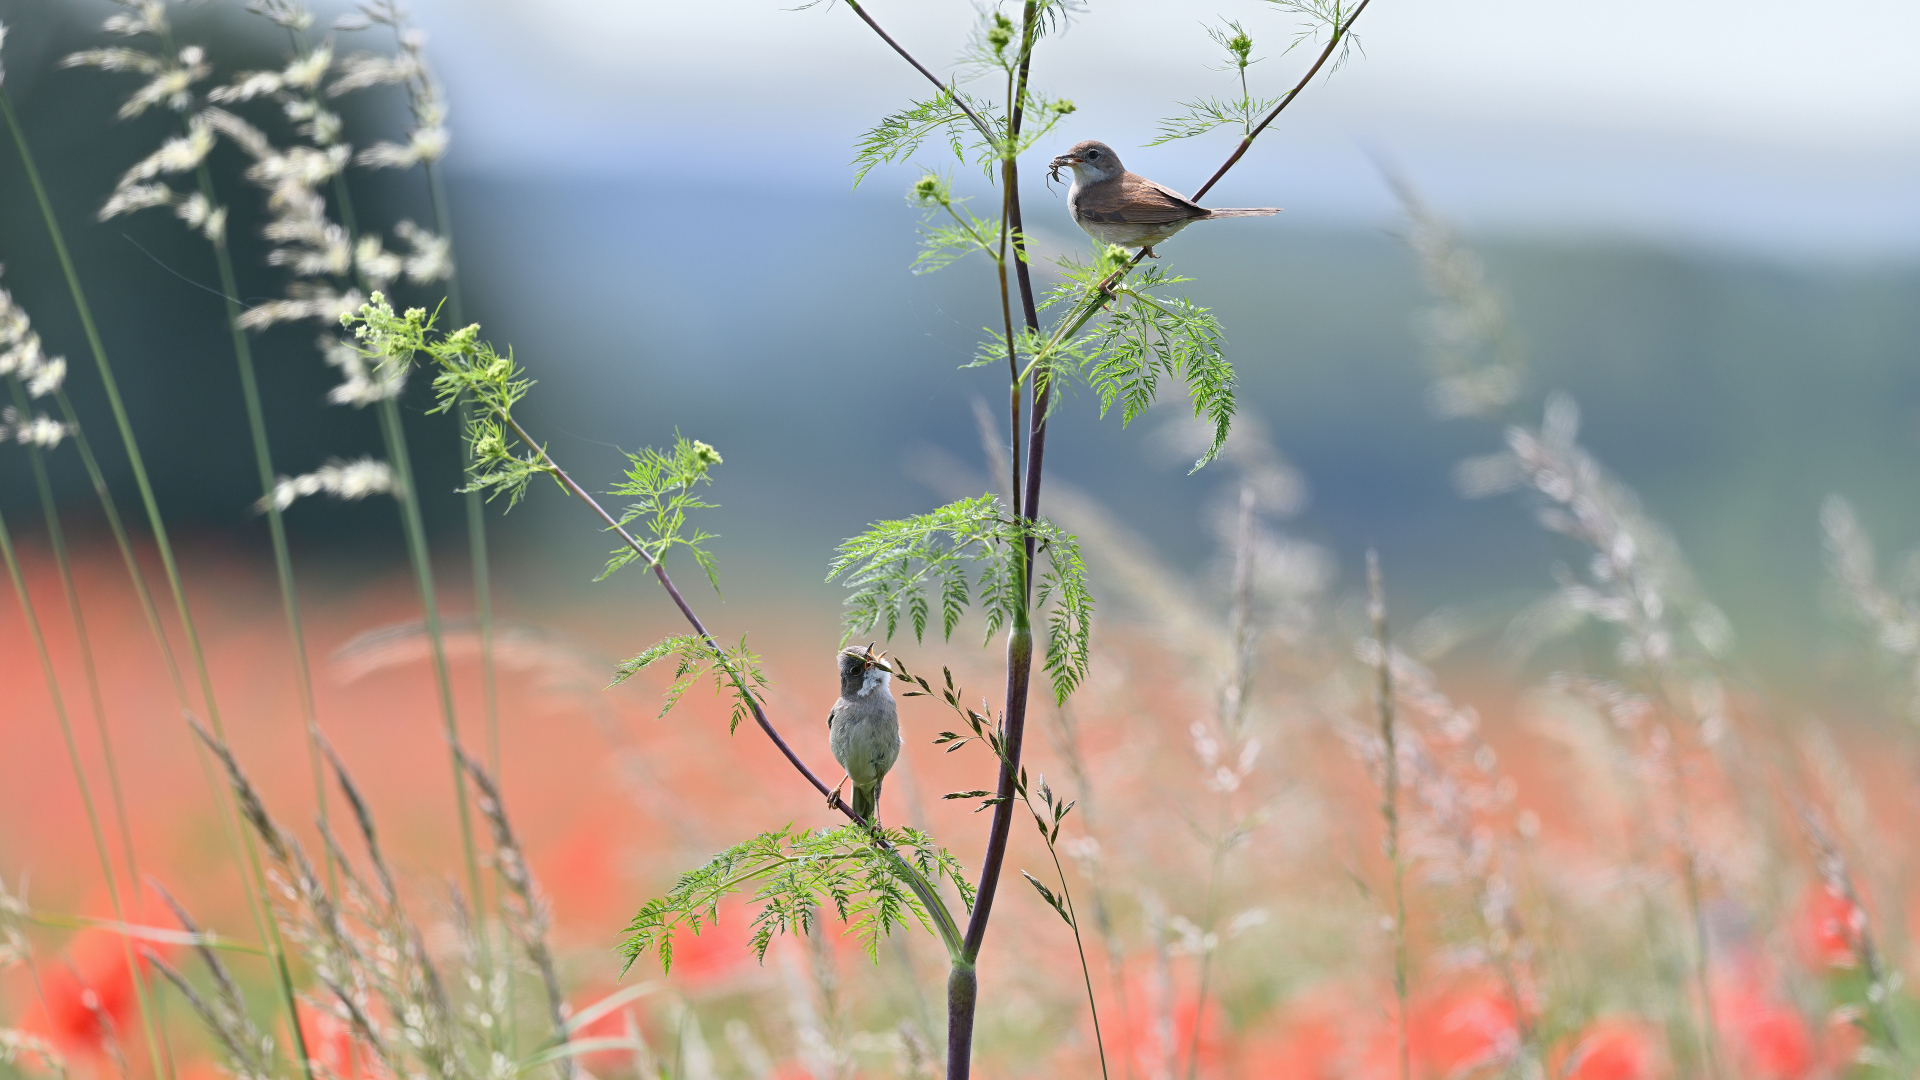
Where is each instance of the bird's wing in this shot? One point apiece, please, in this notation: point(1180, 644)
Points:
point(830, 713)
point(1136, 200)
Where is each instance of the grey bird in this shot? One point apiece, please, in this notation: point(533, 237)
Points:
point(863, 728)
point(1119, 207)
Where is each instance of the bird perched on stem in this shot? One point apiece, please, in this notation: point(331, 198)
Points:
point(1119, 207)
point(863, 729)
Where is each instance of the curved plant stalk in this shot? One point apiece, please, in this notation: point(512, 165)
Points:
point(1390, 803)
point(472, 371)
point(276, 524)
point(944, 923)
point(158, 526)
point(161, 1063)
point(57, 540)
point(963, 982)
point(396, 443)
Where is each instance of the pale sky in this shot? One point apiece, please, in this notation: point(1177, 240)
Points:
point(1755, 123)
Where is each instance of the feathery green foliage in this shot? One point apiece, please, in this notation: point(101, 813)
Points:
point(900, 135)
point(799, 873)
point(1147, 335)
point(1206, 114)
point(663, 485)
point(941, 244)
point(969, 552)
point(467, 368)
point(1333, 16)
point(736, 670)
point(968, 123)
point(505, 461)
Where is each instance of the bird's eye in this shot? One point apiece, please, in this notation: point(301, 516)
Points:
point(1091, 154)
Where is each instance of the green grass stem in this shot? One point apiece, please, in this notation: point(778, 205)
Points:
point(258, 901)
point(410, 520)
point(276, 525)
point(34, 630)
point(57, 540)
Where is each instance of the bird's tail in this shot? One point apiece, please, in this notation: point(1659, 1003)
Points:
point(866, 802)
point(1256, 211)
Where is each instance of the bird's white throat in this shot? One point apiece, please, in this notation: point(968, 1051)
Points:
point(874, 677)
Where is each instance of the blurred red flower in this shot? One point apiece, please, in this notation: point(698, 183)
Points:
point(330, 1044)
point(1827, 928)
point(86, 1000)
point(1767, 1040)
point(1612, 1048)
point(581, 875)
point(200, 1069)
point(718, 952)
point(1455, 1034)
point(1306, 1046)
point(1160, 1032)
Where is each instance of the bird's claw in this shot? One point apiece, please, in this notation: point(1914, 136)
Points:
point(833, 797)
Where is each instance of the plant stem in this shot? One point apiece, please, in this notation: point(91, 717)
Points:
point(1211, 916)
point(1233, 706)
point(1069, 747)
point(1702, 957)
point(276, 525)
point(978, 123)
point(112, 511)
point(56, 538)
point(1085, 974)
point(1013, 717)
point(943, 919)
point(73, 751)
point(476, 508)
point(1340, 32)
point(963, 984)
point(396, 441)
point(1390, 801)
point(255, 896)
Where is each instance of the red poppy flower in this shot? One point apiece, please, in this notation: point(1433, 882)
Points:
point(87, 999)
point(1456, 1034)
point(1306, 1046)
point(718, 952)
point(330, 1044)
point(1612, 1049)
point(1827, 928)
point(1159, 1031)
point(1769, 1040)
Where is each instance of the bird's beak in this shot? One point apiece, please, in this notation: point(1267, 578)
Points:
point(1065, 161)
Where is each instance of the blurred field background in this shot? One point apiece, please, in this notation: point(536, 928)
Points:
point(1703, 217)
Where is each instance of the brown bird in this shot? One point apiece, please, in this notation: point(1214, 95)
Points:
point(1118, 207)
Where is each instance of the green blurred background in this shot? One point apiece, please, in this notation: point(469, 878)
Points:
point(652, 206)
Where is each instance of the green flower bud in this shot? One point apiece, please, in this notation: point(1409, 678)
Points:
point(705, 454)
point(928, 190)
point(1064, 106)
point(1000, 34)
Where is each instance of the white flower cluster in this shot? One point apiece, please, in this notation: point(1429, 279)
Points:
point(349, 480)
point(172, 77)
point(427, 142)
point(38, 430)
point(361, 383)
point(183, 154)
point(21, 355)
